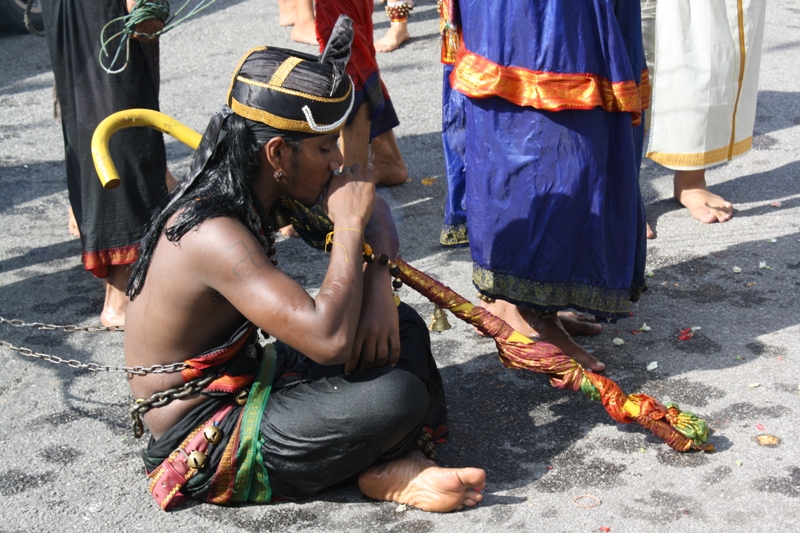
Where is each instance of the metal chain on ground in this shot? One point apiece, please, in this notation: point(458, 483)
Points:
point(74, 363)
point(160, 399)
point(18, 323)
point(94, 367)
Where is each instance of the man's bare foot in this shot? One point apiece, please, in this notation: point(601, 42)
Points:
point(304, 30)
point(417, 481)
point(550, 330)
point(395, 36)
point(390, 169)
point(72, 224)
point(691, 191)
point(574, 323)
point(650, 233)
point(286, 13)
point(289, 231)
point(304, 33)
point(116, 302)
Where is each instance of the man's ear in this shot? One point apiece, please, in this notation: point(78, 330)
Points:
point(277, 152)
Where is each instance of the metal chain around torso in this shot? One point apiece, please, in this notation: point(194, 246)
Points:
point(162, 398)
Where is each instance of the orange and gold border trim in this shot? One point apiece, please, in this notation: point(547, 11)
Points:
point(702, 159)
point(478, 77)
point(98, 261)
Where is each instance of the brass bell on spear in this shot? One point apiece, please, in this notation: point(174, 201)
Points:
point(439, 322)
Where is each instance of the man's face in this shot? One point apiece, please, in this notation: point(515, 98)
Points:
point(311, 168)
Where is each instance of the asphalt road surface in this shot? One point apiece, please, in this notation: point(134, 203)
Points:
point(555, 460)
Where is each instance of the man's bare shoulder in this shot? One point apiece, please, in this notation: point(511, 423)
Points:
point(221, 249)
point(212, 238)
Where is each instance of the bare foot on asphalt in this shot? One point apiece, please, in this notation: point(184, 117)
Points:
point(576, 323)
point(286, 12)
point(304, 32)
point(691, 191)
point(417, 481)
point(289, 231)
point(550, 330)
point(650, 233)
point(395, 36)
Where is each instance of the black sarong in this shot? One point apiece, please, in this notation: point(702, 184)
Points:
point(111, 222)
point(321, 427)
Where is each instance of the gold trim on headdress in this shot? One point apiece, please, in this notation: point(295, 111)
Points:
point(292, 92)
point(283, 71)
point(265, 117)
point(239, 67)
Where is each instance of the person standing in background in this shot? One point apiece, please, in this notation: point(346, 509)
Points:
point(110, 222)
point(703, 59)
point(370, 125)
point(554, 96)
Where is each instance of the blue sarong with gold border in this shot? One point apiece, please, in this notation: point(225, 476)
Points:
point(555, 90)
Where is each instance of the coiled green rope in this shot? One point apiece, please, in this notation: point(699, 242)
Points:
point(142, 11)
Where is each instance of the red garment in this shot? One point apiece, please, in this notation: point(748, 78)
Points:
point(363, 66)
point(237, 376)
point(362, 62)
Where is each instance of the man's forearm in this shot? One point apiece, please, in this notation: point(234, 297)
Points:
point(381, 233)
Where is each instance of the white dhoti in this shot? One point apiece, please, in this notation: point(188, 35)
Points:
point(703, 57)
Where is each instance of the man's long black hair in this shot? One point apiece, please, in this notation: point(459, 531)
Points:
point(221, 190)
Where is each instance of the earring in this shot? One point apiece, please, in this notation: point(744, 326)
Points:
point(279, 175)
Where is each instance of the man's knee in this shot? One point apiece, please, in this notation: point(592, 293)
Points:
point(398, 398)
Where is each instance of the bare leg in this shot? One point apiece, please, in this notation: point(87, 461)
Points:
point(304, 30)
point(395, 36)
point(354, 139)
point(549, 330)
point(574, 323)
point(390, 169)
point(286, 13)
point(72, 225)
point(417, 481)
point(116, 300)
point(692, 193)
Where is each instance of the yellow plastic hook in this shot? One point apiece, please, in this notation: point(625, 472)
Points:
point(127, 119)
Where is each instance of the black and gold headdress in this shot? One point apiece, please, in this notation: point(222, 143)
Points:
point(295, 98)
point(284, 93)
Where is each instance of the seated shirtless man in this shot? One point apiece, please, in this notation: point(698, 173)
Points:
point(349, 388)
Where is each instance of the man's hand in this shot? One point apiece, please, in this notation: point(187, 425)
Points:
point(351, 193)
point(147, 27)
point(377, 339)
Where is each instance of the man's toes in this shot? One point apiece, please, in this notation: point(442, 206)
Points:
point(703, 215)
point(472, 498)
point(597, 366)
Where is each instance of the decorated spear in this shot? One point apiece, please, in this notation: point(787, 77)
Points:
point(681, 430)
